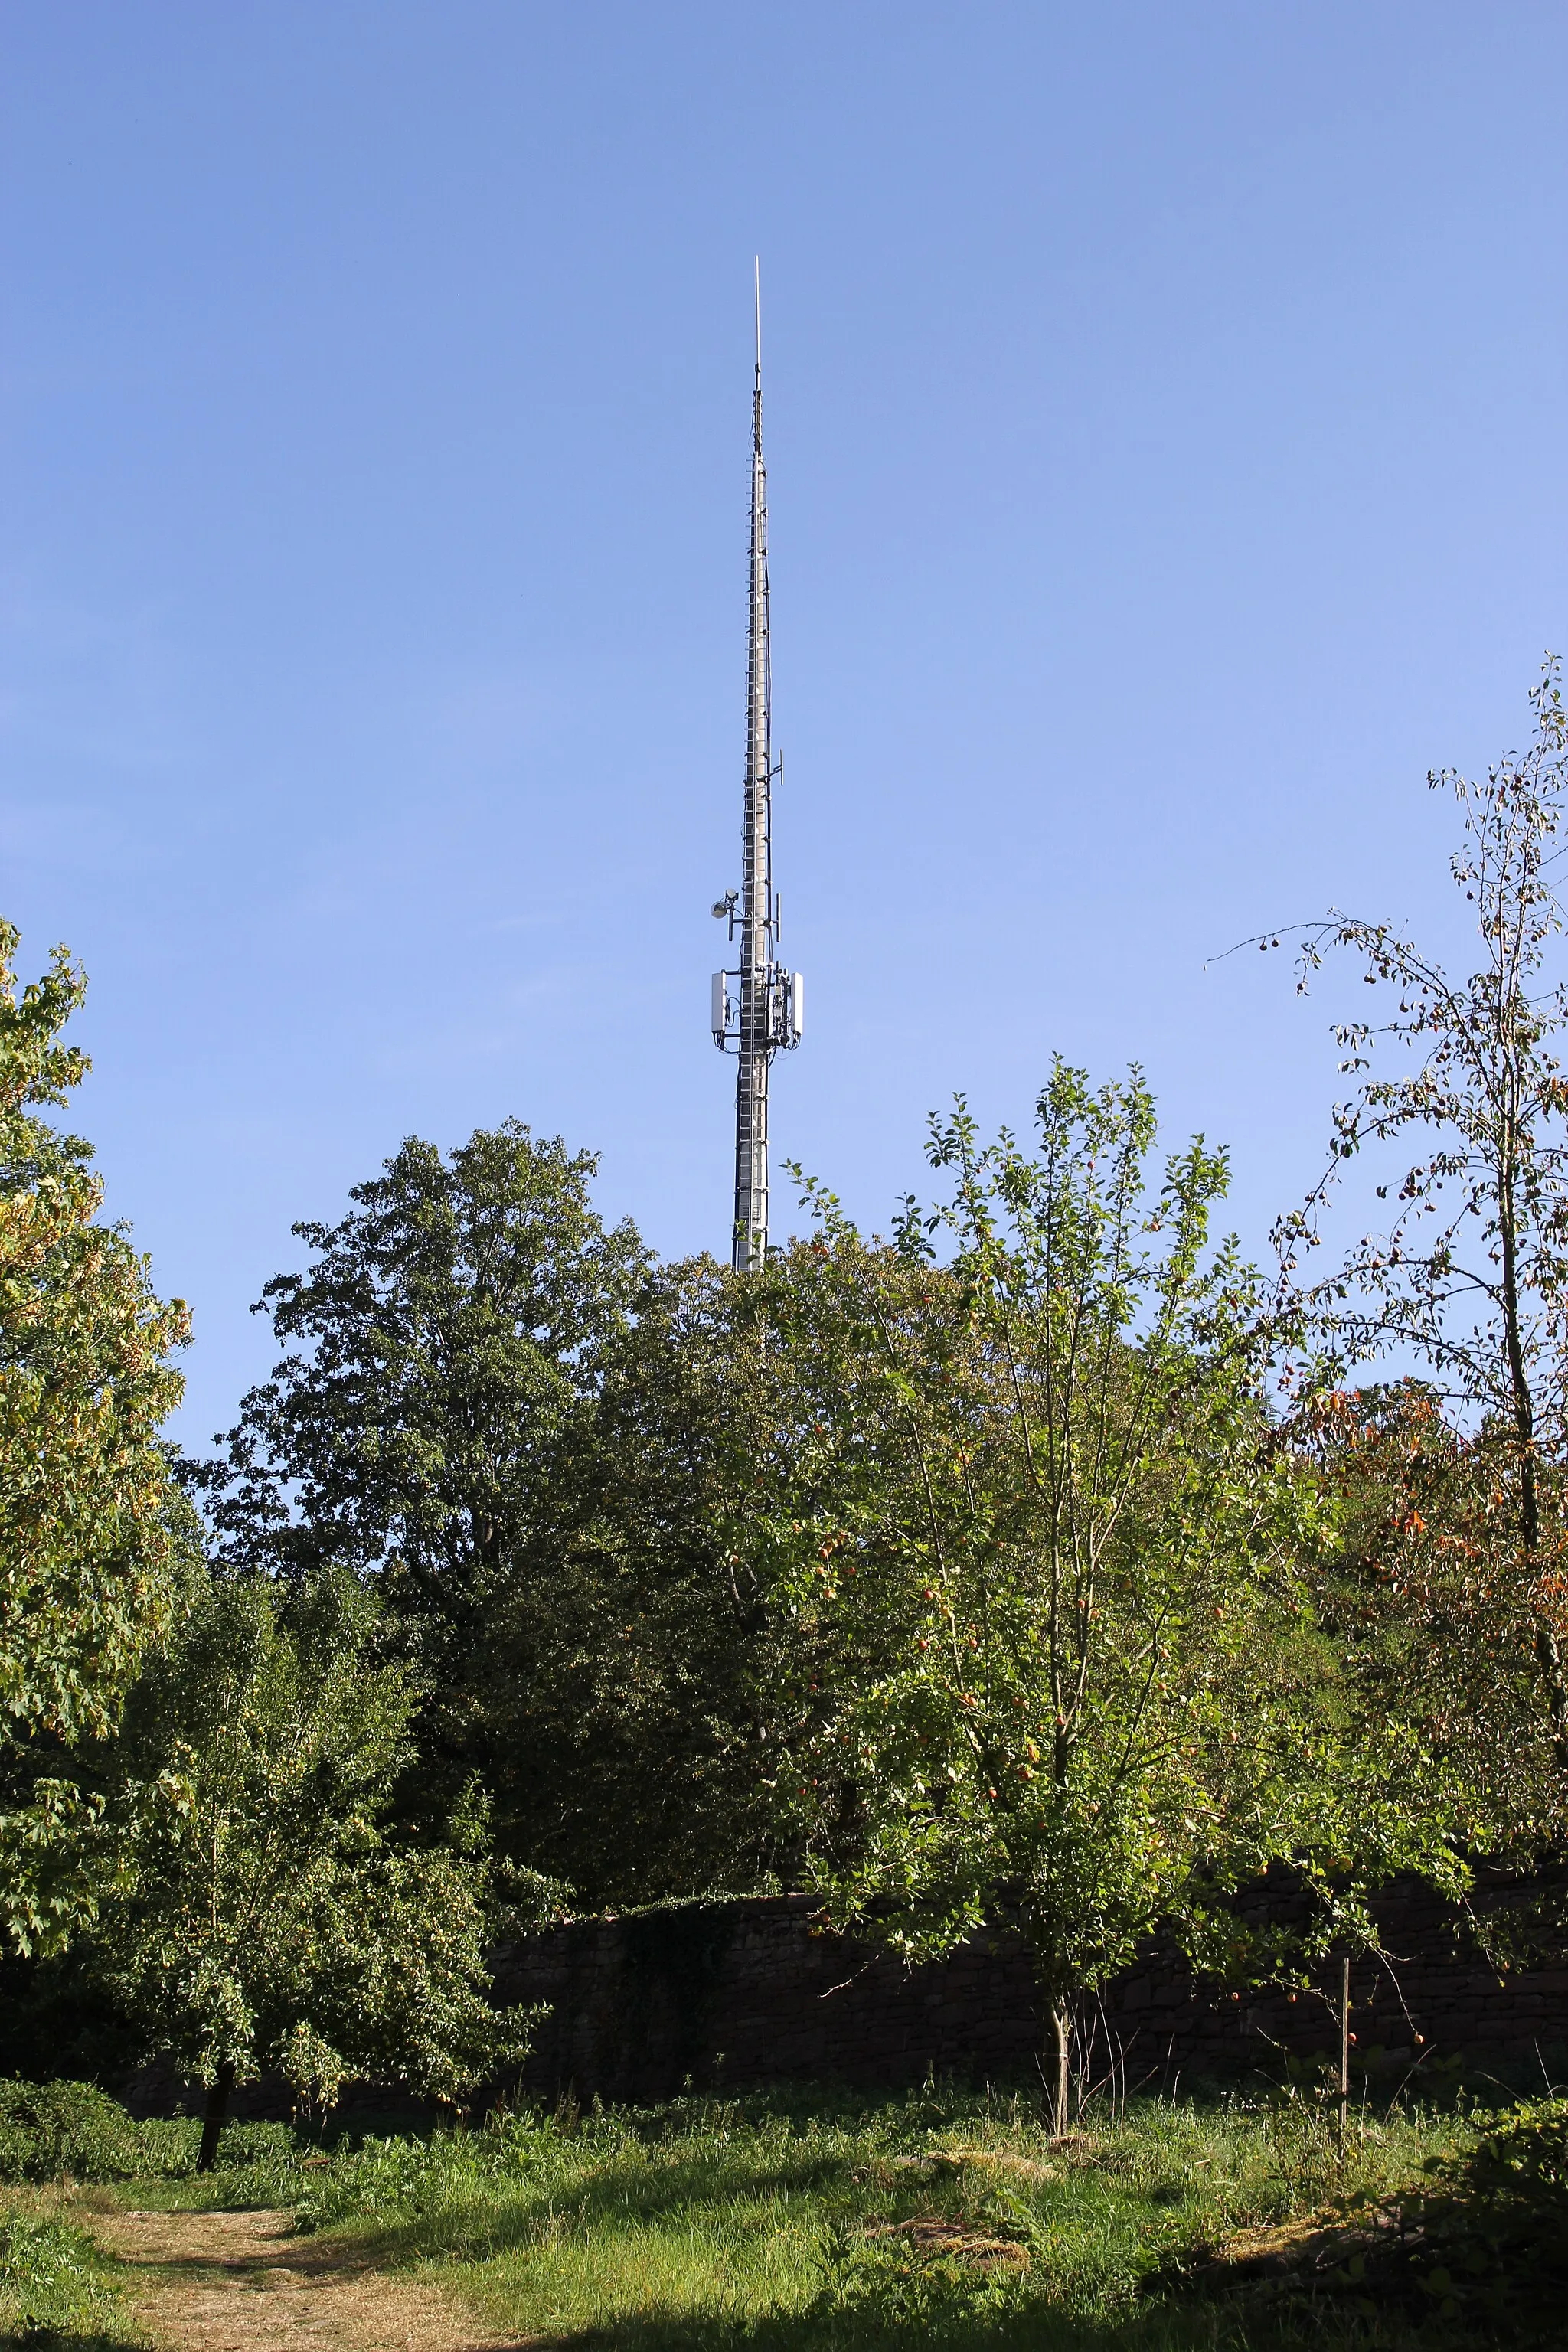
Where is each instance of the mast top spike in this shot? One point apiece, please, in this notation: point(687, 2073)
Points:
point(757, 274)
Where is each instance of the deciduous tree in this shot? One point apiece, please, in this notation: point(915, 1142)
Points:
point(441, 1370)
point(629, 1678)
point(1044, 1552)
point(1461, 1478)
point(267, 1919)
point(90, 1529)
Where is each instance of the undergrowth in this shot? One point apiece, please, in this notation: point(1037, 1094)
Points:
point(50, 2129)
point(781, 2223)
point(55, 2295)
point(814, 2222)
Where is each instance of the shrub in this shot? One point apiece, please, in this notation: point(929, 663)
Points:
point(1478, 2254)
point(1522, 2153)
point(50, 2128)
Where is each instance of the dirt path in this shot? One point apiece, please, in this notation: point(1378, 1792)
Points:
point(233, 2281)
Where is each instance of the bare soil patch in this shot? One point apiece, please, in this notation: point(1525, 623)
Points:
point(233, 2281)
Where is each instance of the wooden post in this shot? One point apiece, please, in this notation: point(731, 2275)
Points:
point(1344, 2054)
point(1061, 2028)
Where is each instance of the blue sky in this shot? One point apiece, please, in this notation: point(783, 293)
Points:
point(1166, 427)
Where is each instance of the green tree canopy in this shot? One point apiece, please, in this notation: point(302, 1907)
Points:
point(1043, 1550)
point(442, 1364)
point(90, 1546)
point(265, 1918)
point(630, 1680)
point(531, 1438)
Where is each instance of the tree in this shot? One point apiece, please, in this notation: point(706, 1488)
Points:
point(1425, 1610)
point(440, 1367)
point(530, 1437)
point(267, 1919)
point(1468, 1282)
point(90, 1530)
point(1043, 1549)
point(628, 1681)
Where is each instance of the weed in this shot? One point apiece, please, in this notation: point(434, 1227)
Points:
point(808, 2220)
point(53, 2293)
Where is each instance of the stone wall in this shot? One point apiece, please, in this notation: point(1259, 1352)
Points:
point(748, 1992)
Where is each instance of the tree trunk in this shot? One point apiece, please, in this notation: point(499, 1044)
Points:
point(222, 2084)
point(1061, 2040)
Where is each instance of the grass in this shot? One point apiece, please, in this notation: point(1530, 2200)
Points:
point(819, 2221)
point(812, 2223)
point(57, 2291)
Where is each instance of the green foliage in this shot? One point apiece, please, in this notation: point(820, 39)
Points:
point(896, 2283)
point(437, 1365)
point(1522, 2152)
point(424, 1424)
point(89, 1544)
point(53, 2290)
point(531, 1439)
point(629, 1681)
point(1479, 2252)
point(1459, 1485)
point(1417, 1560)
point(1043, 1549)
point(807, 2219)
point(266, 1920)
point(50, 2129)
point(263, 2161)
point(802, 2221)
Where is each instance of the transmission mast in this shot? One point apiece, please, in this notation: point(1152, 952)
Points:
point(763, 1012)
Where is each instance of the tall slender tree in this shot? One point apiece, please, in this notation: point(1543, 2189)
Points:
point(1466, 1283)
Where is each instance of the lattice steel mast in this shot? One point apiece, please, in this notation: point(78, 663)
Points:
point(764, 1011)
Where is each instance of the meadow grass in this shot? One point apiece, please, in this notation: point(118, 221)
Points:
point(57, 2293)
point(822, 2221)
point(819, 2221)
